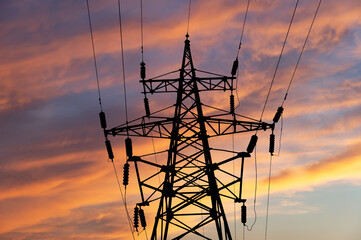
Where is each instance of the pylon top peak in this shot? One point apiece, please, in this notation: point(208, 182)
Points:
point(187, 40)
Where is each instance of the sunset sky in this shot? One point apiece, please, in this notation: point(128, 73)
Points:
point(55, 178)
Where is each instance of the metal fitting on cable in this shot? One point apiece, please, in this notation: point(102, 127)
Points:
point(126, 174)
point(128, 147)
point(244, 214)
point(252, 143)
point(231, 103)
point(272, 143)
point(235, 67)
point(146, 106)
point(136, 218)
point(143, 223)
point(278, 114)
point(109, 149)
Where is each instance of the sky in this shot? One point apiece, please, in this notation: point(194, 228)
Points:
point(55, 179)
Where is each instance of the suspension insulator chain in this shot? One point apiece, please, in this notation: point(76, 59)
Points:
point(278, 114)
point(252, 143)
point(146, 101)
point(146, 106)
point(128, 147)
point(235, 67)
point(231, 103)
point(136, 218)
point(126, 174)
point(272, 143)
point(103, 122)
point(142, 218)
point(244, 214)
point(142, 70)
point(109, 149)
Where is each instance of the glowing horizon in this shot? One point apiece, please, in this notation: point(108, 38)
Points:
point(56, 182)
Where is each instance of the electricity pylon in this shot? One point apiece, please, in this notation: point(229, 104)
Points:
point(190, 186)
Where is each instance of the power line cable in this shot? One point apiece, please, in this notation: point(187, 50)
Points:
point(100, 103)
point(243, 26)
point(244, 232)
point(268, 195)
point(125, 98)
point(294, 72)
point(303, 48)
point(94, 57)
point(279, 60)
point(234, 190)
point(141, 29)
point(239, 49)
point(189, 15)
point(123, 199)
point(284, 99)
point(123, 64)
point(255, 190)
point(280, 140)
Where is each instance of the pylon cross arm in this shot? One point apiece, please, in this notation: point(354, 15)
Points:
point(222, 83)
point(217, 126)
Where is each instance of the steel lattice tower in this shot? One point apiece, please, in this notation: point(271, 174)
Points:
point(190, 187)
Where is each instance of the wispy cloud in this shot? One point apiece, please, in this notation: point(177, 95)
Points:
point(54, 179)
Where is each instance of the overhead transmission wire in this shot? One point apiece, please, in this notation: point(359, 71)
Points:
point(142, 53)
point(243, 27)
point(303, 48)
point(294, 71)
point(123, 64)
point(255, 190)
point(264, 107)
point(234, 190)
point(268, 195)
point(94, 57)
point(279, 60)
point(189, 15)
point(239, 49)
point(141, 29)
point(100, 103)
point(125, 99)
point(284, 99)
point(124, 201)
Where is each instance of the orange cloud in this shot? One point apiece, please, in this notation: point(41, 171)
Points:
point(344, 166)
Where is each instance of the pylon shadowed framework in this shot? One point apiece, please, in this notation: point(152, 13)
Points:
point(190, 186)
